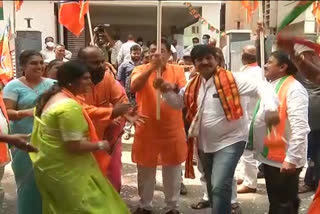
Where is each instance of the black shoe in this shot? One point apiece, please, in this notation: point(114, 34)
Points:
point(173, 212)
point(183, 189)
point(142, 211)
point(200, 205)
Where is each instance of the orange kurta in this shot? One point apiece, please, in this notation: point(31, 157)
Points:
point(99, 102)
point(160, 142)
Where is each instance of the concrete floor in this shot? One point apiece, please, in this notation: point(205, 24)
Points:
point(256, 203)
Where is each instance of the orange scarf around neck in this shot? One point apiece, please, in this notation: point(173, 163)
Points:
point(230, 100)
point(102, 157)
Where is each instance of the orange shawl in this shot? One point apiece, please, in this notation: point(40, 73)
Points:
point(230, 100)
point(4, 149)
point(102, 157)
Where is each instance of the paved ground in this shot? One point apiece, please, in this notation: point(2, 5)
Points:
point(256, 203)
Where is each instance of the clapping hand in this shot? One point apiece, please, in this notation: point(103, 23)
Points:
point(134, 117)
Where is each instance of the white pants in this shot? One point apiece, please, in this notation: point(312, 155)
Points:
point(250, 169)
point(171, 178)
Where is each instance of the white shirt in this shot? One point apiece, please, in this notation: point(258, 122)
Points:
point(51, 59)
point(255, 73)
point(216, 132)
point(115, 51)
point(3, 123)
point(47, 54)
point(124, 52)
point(297, 127)
point(50, 54)
point(179, 51)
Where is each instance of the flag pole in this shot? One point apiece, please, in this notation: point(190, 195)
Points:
point(90, 28)
point(159, 24)
point(14, 18)
point(261, 39)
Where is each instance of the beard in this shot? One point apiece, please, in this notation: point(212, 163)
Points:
point(97, 75)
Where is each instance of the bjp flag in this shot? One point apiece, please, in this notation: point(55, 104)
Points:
point(18, 5)
point(71, 15)
point(6, 66)
point(250, 6)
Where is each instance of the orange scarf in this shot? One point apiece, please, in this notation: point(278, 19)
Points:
point(102, 157)
point(4, 150)
point(230, 100)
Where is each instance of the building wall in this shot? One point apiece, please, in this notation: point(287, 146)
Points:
point(41, 12)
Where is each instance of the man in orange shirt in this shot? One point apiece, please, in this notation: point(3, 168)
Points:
point(158, 142)
point(104, 102)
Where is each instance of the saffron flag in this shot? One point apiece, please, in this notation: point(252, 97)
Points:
point(71, 15)
point(6, 66)
point(296, 11)
point(18, 5)
point(250, 6)
point(316, 11)
point(1, 10)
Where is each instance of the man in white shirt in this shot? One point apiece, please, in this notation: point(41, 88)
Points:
point(124, 52)
point(195, 41)
point(248, 174)
point(49, 51)
point(221, 140)
point(60, 54)
point(284, 161)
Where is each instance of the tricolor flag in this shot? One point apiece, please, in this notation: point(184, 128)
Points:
point(296, 11)
point(18, 5)
point(6, 66)
point(1, 10)
point(250, 6)
point(71, 15)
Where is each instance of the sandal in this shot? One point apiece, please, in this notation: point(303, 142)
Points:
point(201, 205)
point(235, 208)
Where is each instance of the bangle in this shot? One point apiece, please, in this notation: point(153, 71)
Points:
point(18, 117)
point(100, 145)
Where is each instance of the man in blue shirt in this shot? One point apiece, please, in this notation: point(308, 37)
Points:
point(123, 76)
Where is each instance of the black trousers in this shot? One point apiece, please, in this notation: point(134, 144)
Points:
point(282, 190)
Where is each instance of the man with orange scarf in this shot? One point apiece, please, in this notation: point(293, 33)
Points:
point(213, 100)
point(104, 102)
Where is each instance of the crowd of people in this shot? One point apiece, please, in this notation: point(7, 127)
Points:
point(75, 111)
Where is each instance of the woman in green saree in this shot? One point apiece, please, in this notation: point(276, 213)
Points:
point(67, 174)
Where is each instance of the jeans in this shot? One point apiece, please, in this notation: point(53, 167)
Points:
point(219, 168)
point(312, 177)
point(282, 190)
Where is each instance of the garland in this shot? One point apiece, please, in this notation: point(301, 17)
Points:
point(197, 15)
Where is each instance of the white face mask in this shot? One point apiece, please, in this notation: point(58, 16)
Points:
point(50, 44)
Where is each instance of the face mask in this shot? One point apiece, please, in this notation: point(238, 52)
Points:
point(205, 41)
point(50, 44)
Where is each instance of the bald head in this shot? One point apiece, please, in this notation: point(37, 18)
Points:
point(249, 55)
point(94, 59)
point(83, 53)
point(250, 49)
point(130, 37)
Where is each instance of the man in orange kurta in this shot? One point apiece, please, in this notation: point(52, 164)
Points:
point(158, 142)
point(105, 101)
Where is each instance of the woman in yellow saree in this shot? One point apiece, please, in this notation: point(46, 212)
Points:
point(66, 171)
